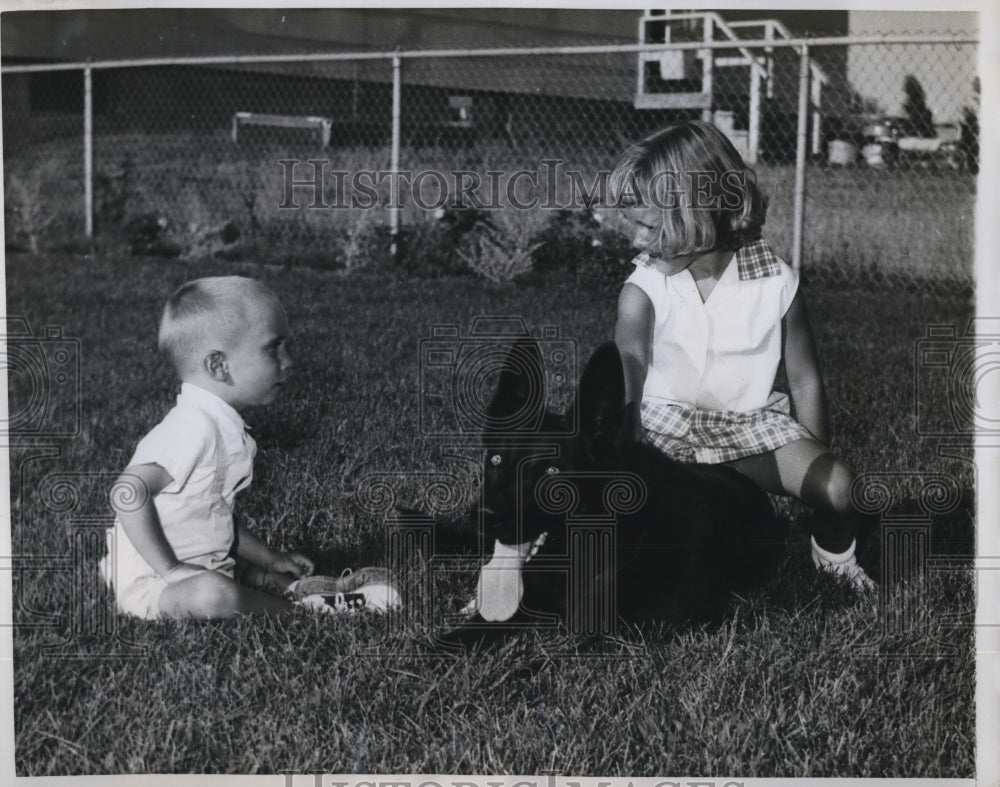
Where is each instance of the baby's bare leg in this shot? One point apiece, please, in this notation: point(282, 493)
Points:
point(254, 576)
point(213, 595)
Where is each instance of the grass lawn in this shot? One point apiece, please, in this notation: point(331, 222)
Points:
point(804, 679)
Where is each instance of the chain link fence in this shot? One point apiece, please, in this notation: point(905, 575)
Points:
point(492, 160)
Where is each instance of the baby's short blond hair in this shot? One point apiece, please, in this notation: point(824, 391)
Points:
point(209, 314)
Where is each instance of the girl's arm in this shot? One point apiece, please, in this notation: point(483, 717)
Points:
point(802, 368)
point(141, 523)
point(634, 337)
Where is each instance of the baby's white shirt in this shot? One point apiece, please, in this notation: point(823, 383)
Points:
point(202, 443)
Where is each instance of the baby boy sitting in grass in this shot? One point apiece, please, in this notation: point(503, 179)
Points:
point(177, 550)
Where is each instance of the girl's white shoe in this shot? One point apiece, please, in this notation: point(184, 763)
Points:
point(844, 564)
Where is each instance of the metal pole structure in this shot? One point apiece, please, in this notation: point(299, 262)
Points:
point(394, 206)
point(706, 66)
point(800, 159)
point(88, 153)
point(769, 56)
point(817, 100)
point(640, 86)
point(613, 49)
point(753, 133)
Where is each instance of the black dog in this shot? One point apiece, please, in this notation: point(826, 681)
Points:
point(591, 526)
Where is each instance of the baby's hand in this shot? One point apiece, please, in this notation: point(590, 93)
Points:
point(291, 563)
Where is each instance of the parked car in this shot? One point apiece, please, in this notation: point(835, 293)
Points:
point(940, 151)
point(887, 142)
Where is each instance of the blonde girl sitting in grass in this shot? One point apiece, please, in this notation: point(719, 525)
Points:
point(704, 321)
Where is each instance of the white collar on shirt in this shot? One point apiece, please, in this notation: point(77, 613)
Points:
point(203, 399)
point(755, 260)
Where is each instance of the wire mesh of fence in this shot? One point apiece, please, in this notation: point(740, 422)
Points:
point(494, 161)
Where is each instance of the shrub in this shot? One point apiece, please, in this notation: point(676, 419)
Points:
point(569, 238)
point(425, 249)
point(607, 266)
point(28, 213)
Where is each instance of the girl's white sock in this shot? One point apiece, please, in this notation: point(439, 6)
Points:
point(823, 558)
point(845, 564)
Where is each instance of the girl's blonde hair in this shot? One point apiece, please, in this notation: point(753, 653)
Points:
point(707, 195)
point(214, 311)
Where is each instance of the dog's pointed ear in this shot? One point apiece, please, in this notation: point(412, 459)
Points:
point(519, 401)
point(602, 394)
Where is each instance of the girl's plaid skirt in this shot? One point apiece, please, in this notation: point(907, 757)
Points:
point(691, 434)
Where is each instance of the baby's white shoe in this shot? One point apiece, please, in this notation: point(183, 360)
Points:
point(348, 582)
point(376, 597)
point(844, 564)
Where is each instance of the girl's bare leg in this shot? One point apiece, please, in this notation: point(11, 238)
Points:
point(808, 470)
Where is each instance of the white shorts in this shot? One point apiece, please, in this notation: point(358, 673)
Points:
point(136, 584)
point(140, 596)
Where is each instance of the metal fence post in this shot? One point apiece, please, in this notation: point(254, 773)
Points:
point(88, 152)
point(753, 131)
point(800, 159)
point(707, 63)
point(816, 100)
point(394, 193)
